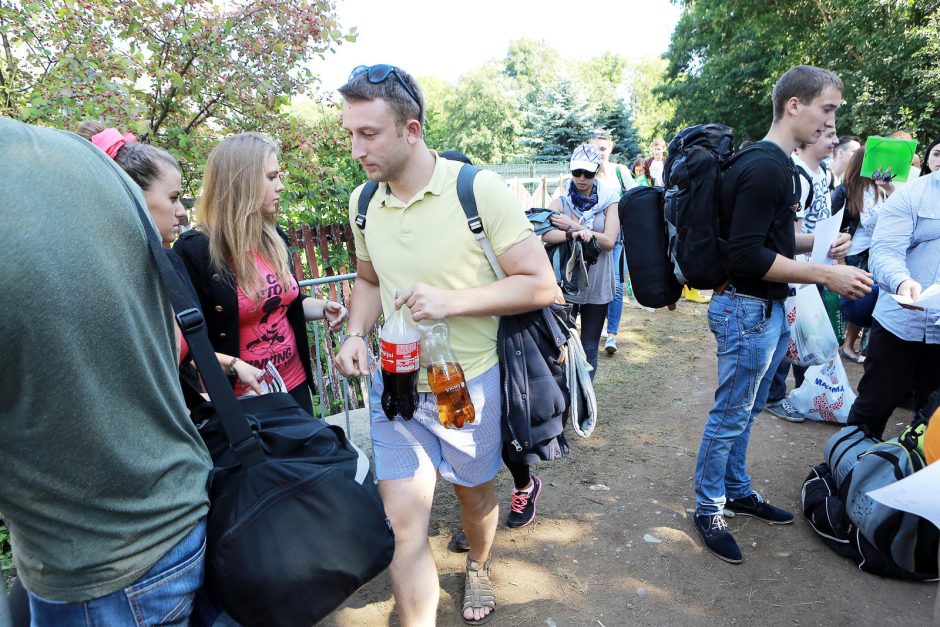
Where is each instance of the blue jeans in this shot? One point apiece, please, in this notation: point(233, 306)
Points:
point(162, 596)
point(751, 337)
point(615, 307)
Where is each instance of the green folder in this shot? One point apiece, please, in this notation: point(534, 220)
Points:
point(882, 153)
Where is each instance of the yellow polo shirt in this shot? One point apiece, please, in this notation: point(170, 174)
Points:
point(427, 240)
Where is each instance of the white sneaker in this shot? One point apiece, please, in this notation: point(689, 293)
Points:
point(604, 333)
point(611, 345)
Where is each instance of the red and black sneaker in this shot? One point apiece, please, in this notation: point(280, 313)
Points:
point(522, 507)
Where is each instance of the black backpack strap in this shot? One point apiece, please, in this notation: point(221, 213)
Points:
point(365, 197)
point(809, 179)
point(469, 204)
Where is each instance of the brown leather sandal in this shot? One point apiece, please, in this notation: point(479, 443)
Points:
point(477, 591)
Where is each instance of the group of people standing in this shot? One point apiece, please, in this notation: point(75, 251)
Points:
point(105, 486)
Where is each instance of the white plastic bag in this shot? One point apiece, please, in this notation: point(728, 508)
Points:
point(825, 395)
point(812, 340)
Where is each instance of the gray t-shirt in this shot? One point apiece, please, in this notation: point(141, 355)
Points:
point(101, 470)
point(600, 289)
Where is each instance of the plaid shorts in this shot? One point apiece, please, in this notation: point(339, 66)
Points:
point(468, 457)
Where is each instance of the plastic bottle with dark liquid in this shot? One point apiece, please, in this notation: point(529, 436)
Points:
point(400, 343)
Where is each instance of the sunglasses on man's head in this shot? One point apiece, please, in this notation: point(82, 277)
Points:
point(583, 174)
point(377, 74)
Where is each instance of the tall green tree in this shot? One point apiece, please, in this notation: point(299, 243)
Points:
point(178, 73)
point(558, 122)
point(652, 113)
point(481, 120)
point(532, 66)
point(725, 56)
point(618, 120)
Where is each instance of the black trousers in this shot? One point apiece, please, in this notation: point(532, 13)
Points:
point(892, 368)
point(592, 323)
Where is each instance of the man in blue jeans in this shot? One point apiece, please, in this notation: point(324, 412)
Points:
point(747, 316)
point(104, 473)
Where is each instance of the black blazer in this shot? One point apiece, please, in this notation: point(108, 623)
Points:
point(219, 300)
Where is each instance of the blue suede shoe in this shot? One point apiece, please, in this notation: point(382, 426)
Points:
point(755, 505)
point(717, 537)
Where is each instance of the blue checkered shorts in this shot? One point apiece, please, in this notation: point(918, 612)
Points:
point(468, 457)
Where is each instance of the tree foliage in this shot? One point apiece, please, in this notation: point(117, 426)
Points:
point(178, 73)
point(726, 55)
point(558, 121)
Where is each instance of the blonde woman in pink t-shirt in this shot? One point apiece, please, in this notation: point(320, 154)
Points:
point(239, 264)
point(157, 173)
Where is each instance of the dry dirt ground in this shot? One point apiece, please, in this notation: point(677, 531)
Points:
point(629, 556)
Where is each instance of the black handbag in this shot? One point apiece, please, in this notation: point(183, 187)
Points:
point(295, 524)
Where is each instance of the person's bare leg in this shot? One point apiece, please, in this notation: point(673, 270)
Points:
point(413, 573)
point(851, 335)
point(479, 514)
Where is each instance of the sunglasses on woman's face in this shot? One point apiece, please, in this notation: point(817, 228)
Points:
point(379, 74)
point(582, 174)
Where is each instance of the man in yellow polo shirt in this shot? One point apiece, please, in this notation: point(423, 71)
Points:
point(417, 251)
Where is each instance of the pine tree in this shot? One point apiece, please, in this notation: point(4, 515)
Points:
point(618, 120)
point(557, 123)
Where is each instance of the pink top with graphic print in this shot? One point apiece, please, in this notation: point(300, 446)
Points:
point(265, 333)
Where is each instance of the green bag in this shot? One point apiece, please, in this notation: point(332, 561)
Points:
point(834, 310)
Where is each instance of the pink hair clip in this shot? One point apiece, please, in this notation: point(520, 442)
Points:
point(111, 140)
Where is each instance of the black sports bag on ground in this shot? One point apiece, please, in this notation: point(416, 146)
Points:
point(295, 521)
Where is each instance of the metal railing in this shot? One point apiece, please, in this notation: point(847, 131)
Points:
point(323, 341)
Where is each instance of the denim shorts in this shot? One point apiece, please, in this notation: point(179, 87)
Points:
point(162, 596)
point(467, 457)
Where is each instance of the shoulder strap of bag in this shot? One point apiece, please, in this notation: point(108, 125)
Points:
point(365, 197)
point(623, 186)
point(467, 201)
point(242, 439)
point(469, 204)
point(809, 179)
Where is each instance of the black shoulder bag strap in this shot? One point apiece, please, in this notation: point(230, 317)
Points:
point(365, 197)
point(242, 439)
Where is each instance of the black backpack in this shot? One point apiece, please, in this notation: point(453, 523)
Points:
point(696, 219)
point(692, 204)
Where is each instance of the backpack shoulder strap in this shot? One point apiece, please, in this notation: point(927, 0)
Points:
point(623, 186)
point(365, 197)
point(809, 179)
point(468, 203)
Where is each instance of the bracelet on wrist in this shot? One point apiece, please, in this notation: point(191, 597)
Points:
point(354, 334)
point(231, 366)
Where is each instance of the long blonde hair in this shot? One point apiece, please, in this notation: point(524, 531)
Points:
point(229, 212)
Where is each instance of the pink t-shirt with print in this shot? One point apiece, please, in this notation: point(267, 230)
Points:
point(265, 333)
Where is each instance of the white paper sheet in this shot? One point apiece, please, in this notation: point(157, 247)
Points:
point(825, 234)
point(929, 299)
point(916, 494)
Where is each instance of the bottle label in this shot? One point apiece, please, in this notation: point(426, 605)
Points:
point(400, 358)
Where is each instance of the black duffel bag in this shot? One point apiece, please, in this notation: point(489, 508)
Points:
point(293, 536)
point(646, 245)
point(295, 522)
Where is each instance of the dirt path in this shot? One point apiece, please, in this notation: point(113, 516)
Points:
point(585, 561)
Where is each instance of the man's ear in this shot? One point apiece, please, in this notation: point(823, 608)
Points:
point(413, 130)
point(792, 105)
